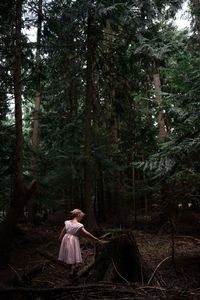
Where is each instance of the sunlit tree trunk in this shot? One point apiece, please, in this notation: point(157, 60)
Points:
point(157, 83)
point(38, 89)
point(31, 206)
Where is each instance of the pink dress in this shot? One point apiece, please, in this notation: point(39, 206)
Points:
point(70, 251)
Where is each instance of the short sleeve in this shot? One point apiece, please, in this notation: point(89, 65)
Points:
point(79, 227)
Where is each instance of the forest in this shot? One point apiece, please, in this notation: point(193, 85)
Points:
point(100, 110)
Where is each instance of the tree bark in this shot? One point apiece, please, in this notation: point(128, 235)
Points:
point(116, 204)
point(99, 176)
point(21, 194)
point(119, 260)
point(18, 176)
point(157, 83)
point(31, 207)
point(197, 17)
point(147, 85)
point(38, 89)
point(89, 96)
point(108, 96)
point(107, 116)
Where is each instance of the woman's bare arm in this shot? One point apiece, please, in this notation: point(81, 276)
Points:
point(89, 234)
point(62, 233)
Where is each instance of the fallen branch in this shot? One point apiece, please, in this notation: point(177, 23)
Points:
point(195, 240)
point(33, 271)
point(52, 258)
point(78, 288)
point(151, 287)
point(16, 273)
point(119, 273)
point(105, 235)
point(86, 269)
point(157, 269)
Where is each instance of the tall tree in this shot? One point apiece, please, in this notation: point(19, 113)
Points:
point(31, 206)
point(157, 83)
point(89, 98)
point(21, 194)
point(38, 88)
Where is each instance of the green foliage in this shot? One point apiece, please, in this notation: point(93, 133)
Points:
point(177, 162)
point(126, 36)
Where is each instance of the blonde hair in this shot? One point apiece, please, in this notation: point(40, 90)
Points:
point(76, 212)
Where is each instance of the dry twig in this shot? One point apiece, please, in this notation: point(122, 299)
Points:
point(16, 273)
point(119, 273)
point(157, 269)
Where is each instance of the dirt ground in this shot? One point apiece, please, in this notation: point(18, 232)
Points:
point(34, 272)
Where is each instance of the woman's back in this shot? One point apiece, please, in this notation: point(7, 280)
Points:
point(72, 228)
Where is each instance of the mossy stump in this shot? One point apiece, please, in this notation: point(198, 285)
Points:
point(118, 260)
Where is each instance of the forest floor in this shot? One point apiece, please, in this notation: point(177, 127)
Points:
point(34, 272)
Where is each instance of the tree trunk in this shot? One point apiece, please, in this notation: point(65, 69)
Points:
point(157, 83)
point(21, 194)
point(18, 176)
point(147, 85)
point(119, 260)
point(117, 202)
point(108, 127)
point(31, 207)
point(89, 96)
point(108, 98)
point(38, 89)
point(197, 17)
point(99, 176)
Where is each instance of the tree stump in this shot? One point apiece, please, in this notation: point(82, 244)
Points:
point(119, 260)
